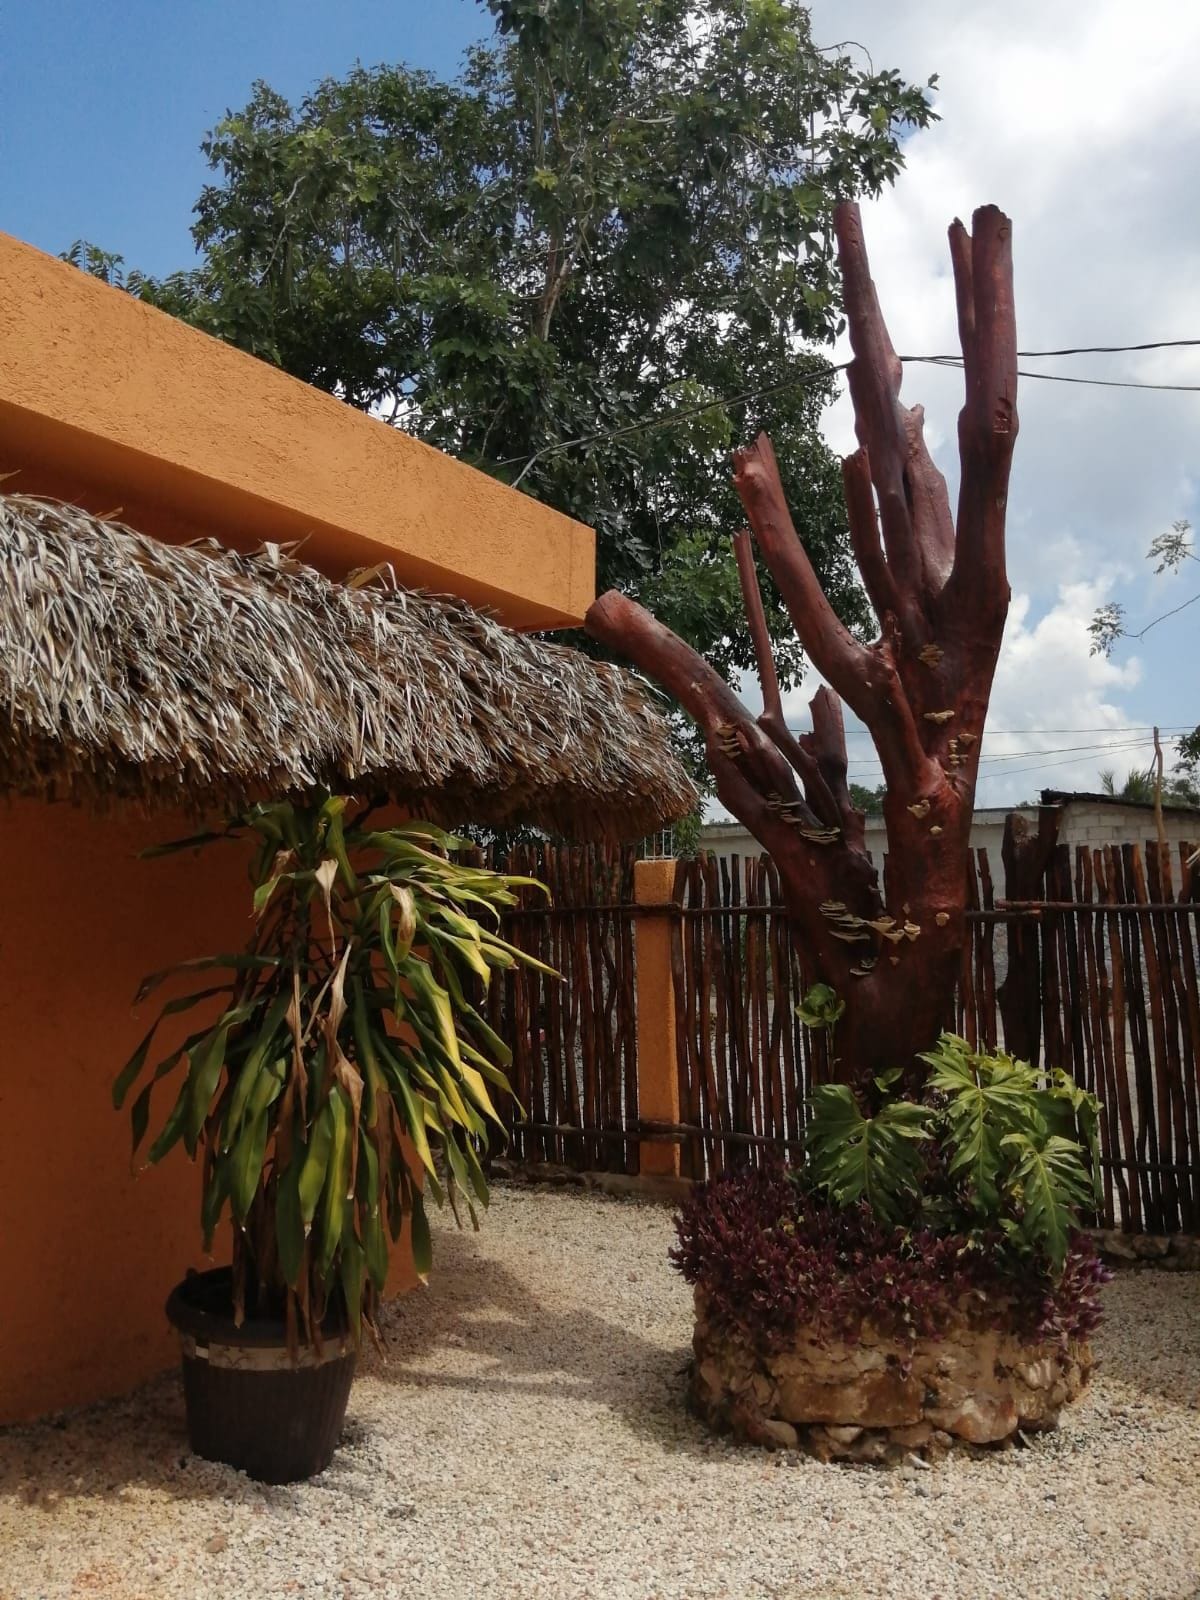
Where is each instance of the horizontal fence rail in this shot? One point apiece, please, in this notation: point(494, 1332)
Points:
point(1095, 969)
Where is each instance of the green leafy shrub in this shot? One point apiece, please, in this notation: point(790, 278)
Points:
point(909, 1211)
point(343, 1055)
point(993, 1145)
point(773, 1254)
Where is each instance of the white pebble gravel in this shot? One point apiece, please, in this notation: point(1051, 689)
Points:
point(526, 1439)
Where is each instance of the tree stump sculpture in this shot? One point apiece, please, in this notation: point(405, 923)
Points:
point(939, 589)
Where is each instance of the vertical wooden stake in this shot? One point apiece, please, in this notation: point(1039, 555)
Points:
point(658, 1063)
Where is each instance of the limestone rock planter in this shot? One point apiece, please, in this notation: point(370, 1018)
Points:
point(875, 1399)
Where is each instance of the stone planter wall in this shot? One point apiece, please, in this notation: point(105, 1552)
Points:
point(876, 1400)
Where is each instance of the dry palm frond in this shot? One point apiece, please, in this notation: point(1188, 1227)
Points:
point(195, 675)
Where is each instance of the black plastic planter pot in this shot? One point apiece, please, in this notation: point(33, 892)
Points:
point(248, 1404)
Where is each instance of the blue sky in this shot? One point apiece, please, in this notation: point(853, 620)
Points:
point(1087, 136)
point(103, 105)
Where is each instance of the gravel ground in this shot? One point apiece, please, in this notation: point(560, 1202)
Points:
point(526, 1437)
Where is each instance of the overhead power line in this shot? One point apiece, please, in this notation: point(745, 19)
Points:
point(802, 380)
point(1085, 350)
point(1013, 772)
point(993, 733)
point(1076, 751)
point(955, 363)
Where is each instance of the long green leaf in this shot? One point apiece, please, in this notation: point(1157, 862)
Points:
point(247, 1076)
point(246, 1163)
point(289, 1224)
point(316, 1163)
point(872, 1159)
point(333, 1196)
point(1052, 1184)
point(129, 1073)
point(414, 1120)
point(172, 1129)
point(351, 1266)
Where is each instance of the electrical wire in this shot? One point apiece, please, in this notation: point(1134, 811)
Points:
point(1076, 751)
point(1063, 377)
point(1013, 772)
point(991, 733)
point(556, 447)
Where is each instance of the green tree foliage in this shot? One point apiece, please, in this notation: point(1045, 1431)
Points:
point(867, 800)
point(618, 216)
point(1180, 790)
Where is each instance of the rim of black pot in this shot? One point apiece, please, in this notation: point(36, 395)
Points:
point(188, 1312)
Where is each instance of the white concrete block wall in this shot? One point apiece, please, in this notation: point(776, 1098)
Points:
point(1089, 821)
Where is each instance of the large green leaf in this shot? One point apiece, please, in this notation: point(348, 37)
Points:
point(351, 1266)
point(249, 1150)
point(337, 1172)
point(316, 1164)
point(873, 1159)
point(412, 1116)
point(255, 1063)
point(987, 1098)
point(172, 1129)
point(289, 1224)
point(1051, 1183)
point(130, 1072)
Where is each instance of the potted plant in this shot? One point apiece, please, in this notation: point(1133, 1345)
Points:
point(919, 1279)
point(342, 1073)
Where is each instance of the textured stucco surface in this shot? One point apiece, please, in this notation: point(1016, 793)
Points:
point(106, 402)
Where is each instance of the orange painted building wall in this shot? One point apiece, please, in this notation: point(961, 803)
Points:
point(106, 403)
point(88, 1251)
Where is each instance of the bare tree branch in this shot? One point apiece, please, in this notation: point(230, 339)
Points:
point(772, 721)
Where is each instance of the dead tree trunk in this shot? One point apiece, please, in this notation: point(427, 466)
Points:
point(939, 588)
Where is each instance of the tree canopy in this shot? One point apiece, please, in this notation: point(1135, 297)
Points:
point(588, 266)
point(1139, 786)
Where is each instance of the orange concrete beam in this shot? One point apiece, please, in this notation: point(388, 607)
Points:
point(107, 402)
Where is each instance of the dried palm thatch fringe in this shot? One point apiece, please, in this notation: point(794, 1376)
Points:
point(198, 676)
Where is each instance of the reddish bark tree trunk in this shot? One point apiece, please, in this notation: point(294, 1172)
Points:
point(939, 589)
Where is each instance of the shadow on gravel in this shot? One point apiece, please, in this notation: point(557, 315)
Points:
point(1150, 1340)
point(99, 1452)
point(519, 1343)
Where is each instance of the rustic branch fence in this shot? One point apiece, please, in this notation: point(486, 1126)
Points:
point(1092, 965)
point(574, 1042)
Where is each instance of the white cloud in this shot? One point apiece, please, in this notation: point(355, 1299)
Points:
point(1056, 697)
point(1082, 122)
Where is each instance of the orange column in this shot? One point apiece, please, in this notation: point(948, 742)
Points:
point(658, 1062)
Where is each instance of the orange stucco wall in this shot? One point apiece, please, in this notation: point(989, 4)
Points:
point(88, 1251)
point(106, 402)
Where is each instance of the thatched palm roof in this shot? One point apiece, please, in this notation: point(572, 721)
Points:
point(200, 676)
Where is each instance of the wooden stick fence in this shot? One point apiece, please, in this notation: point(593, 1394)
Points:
point(1094, 966)
point(574, 1038)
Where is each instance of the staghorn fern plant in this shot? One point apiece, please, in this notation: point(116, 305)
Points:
point(994, 1147)
point(345, 1056)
